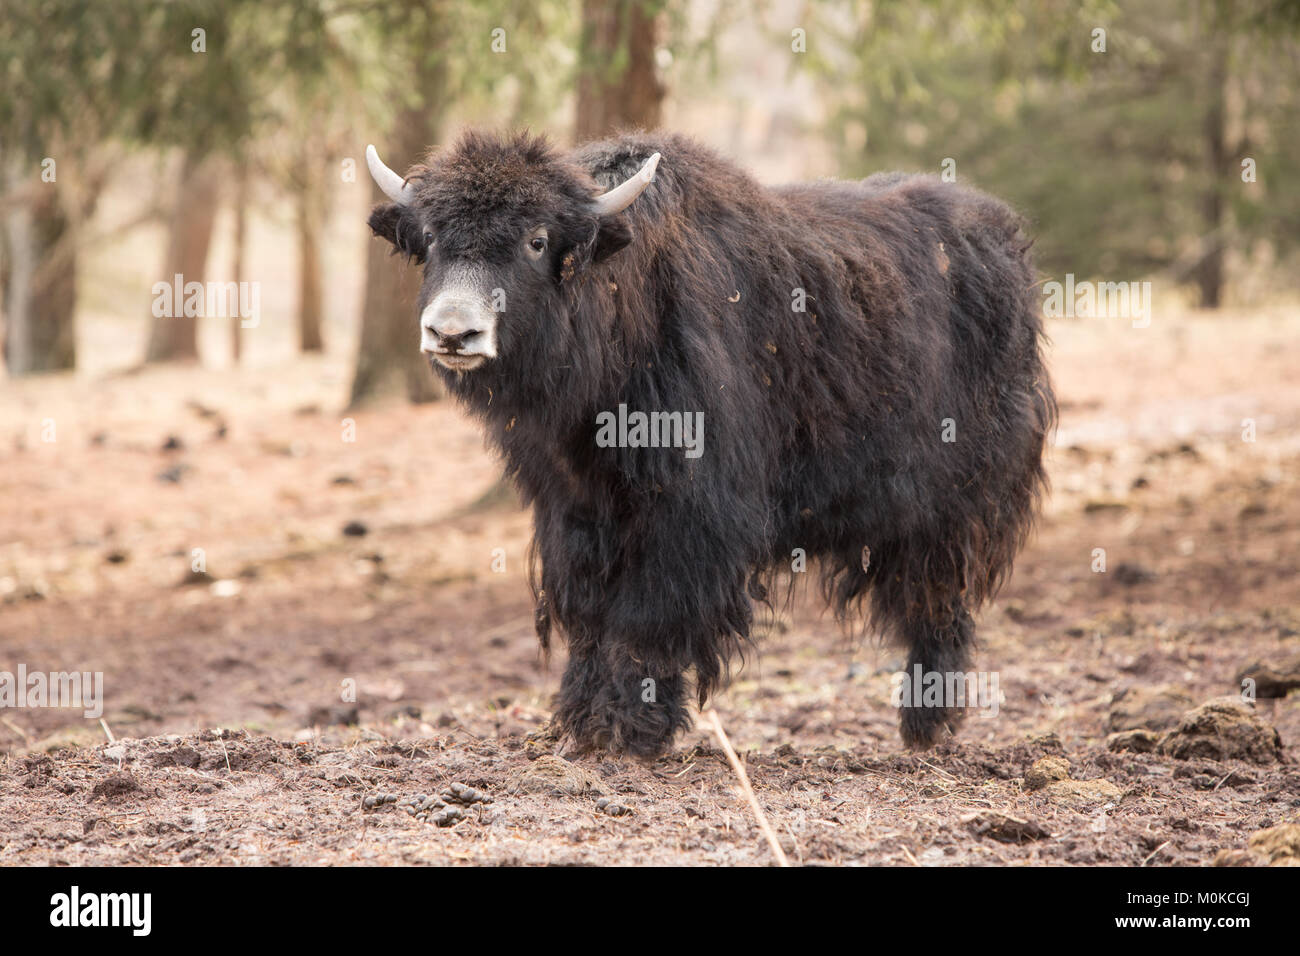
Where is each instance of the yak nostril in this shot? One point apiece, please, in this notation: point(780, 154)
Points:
point(452, 341)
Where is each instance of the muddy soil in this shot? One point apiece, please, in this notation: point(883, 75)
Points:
point(316, 641)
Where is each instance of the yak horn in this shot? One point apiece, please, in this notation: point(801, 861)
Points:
point(622, 196)
point(394, 186)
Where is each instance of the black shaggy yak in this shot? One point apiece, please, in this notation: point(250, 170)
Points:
point(866, 358)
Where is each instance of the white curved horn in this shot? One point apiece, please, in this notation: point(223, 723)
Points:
point(621, 196)
point(394, 187)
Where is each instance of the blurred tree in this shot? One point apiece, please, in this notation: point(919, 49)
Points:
point(207, 61)
point(246, 67)
point(617, 83)
point(388, 357)
point(309, 130)
point(298, 162)
point(1120, 128)
point(194, 74)
point(239, 248)
point(309, 218)
point(39, 297)
point(62, 76)
point(189, 235)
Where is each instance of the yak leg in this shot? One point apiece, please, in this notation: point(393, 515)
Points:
point(610, 702)
point(938, 646)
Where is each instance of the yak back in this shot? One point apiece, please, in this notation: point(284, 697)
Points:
point(812, 319)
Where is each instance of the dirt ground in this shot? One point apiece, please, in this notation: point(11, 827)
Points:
point(326, 564)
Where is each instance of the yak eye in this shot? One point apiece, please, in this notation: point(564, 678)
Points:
point(536, 243)
point(428, 238)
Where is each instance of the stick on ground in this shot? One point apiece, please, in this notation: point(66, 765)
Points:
point(749, 790)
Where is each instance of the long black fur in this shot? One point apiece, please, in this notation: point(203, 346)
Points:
point(823, 428)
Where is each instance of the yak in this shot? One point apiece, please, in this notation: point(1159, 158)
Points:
point(864, 361)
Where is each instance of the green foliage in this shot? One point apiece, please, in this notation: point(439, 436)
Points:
point(1109, 153)
point(60, 68)
point(87, 70)
point(90, 70)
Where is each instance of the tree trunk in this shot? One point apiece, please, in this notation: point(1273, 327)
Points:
point(617, 85)
point(310, 221)
point(40, 295)
point(175, 337)
point(237, 254)
point(1210, 272)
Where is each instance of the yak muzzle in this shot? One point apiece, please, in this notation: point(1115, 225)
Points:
point(458, 331)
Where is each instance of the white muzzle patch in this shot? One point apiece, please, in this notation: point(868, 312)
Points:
point(458, 327)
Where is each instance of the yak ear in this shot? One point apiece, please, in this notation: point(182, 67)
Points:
point(396, 224)
point(608, 236)
point(612, 234)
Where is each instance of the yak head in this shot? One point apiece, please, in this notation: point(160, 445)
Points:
point(500, 226)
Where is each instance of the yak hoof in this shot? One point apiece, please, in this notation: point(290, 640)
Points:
point(923, 727)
